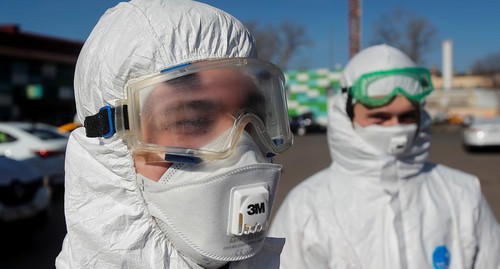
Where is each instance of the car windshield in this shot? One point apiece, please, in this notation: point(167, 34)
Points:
point(45, 134)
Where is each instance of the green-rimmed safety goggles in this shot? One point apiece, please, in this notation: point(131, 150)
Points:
point(379, 88)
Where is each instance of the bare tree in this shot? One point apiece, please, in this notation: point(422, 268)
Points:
point(279, 44)
point(404, 30)
point(488, 66)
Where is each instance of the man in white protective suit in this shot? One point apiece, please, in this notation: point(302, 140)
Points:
point(173, 168)
point(381, 204)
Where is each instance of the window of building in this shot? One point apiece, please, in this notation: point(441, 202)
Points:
point(49, 70)
point(66, 93)
point(19, 73)
point(5, 76)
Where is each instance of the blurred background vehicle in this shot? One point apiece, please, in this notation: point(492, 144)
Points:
point(447, 118)
point(481, 133)
point(24, 191)
point(68, 127)
point(305, 123)
point(40, 144)
point(25, 199)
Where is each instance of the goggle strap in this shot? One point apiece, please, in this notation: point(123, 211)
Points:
point(349, 107)
point(103, 124)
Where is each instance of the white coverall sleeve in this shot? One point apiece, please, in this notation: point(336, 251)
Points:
point(302, 246)
point(488, 232)
point(268, 257)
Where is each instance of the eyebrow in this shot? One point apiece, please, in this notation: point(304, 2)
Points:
point(376, 110)
point(193, 106)
point(383, 110)
point(196, 113)
point(199, 105)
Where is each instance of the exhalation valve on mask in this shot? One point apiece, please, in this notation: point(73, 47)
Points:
point(249, 210)
point(397, 145)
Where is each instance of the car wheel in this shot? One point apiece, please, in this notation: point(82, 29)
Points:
point(469, 148)
point(301, 131)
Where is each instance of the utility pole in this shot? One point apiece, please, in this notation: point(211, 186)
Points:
point(354, 26)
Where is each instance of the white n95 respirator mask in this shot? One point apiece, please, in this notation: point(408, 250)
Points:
point(217, 211)
point(392, 140)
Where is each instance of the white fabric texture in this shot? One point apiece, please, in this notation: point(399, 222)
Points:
point(372, 211)
point(374, 58)
point(108, 224)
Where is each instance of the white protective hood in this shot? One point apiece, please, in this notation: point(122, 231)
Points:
point(107, 221)
point(375, 58)
point(349, 150)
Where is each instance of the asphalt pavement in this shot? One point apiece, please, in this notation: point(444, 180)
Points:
point(309, 155)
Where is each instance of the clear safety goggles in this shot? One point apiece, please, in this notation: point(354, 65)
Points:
point(379, 88)
point(197, 111)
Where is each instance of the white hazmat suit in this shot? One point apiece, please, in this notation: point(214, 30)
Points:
point(373, 210)
point(108, 222)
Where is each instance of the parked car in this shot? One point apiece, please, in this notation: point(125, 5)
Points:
point(25, 199)
point(41, 144)
point(24, 191)
point(481, 133)
point(304, 123)
point(68, 127)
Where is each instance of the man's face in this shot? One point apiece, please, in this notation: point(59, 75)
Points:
point(399, 111)
point(191, 112)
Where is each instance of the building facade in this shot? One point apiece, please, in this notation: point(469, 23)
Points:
point(36, 77)
point(308, 90)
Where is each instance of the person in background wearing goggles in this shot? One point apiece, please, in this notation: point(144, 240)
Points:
point(173, 168)
point(381, 204)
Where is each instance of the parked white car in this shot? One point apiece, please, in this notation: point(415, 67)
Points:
point(481, 133)
point(24, 191)
point(41, 144)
